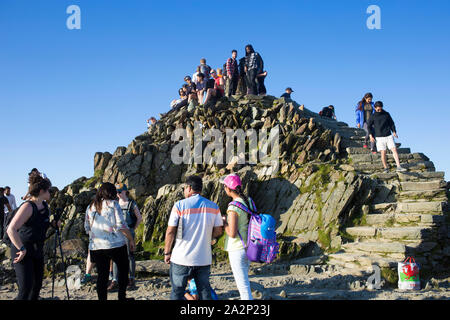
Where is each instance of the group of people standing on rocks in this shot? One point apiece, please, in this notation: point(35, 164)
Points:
point(110, 221)
point(243, 76)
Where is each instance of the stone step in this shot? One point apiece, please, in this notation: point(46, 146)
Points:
point(369, 157)
point(392, 219)
point(362, 150)
point(423, 186)
point(436, 207)
point(350, 259)
point(398, 233)
point(394, 250)
point(383, 207)
point(425, 195)
point(377, 167)
point(421, 176)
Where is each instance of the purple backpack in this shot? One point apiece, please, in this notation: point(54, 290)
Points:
point(261, 238)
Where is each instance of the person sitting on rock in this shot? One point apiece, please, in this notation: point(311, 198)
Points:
point(328, 112)
point(191, 89)
point(201, 87)
point(151, 121)
point(204, 68)
point(287, 94)
point(381, 125)
point(181, 102)
point(214, 88)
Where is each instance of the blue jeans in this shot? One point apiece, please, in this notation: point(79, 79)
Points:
point(179, 276)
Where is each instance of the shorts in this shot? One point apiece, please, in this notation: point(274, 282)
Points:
point(385, 142)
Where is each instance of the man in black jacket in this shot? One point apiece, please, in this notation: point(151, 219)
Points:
point(381, 125)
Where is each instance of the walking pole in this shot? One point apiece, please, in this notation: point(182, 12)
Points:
point(64, 265)
point(54, 267)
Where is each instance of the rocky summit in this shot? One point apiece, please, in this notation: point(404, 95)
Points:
point(329, 196)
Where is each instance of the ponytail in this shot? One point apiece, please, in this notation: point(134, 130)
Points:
point(242, 195)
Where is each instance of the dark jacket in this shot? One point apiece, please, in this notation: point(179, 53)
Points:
point(381, 124)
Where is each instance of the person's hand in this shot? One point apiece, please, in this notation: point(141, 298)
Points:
point(167, 258)
point(395, 135)
point(372, 139)
point(20, 256)
point(132, 246)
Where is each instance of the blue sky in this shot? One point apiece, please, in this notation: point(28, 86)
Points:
point(66, 94)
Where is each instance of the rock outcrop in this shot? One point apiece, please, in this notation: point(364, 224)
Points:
point(329, 195)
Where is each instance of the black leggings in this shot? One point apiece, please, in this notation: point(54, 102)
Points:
point(29, 272)
point(102, 258)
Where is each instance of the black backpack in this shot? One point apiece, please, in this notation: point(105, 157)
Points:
point(131, 217)
point(11, 215)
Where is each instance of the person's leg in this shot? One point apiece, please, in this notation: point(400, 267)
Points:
point(201, 277)
point(115, 273)
point(383, 159)
point(2, 224)
point(120, 257)
point(234, 85)
point(366, 137)
point(38, 277)
point(178, 279)
point(24, 274)
point(132, 260)
point(252, 81)
point(239, 266)
point(102, 262)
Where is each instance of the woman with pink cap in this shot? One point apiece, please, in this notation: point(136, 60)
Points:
point(236, 227)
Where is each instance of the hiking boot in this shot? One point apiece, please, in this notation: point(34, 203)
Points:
point(365, 146)
point(86, 279)
point(131, 283)
point(386, 170)
point(113, 286)
point(401, 169)
point(374, 152)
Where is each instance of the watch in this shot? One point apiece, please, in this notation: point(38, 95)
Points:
point(22, 248)
point(168, 254)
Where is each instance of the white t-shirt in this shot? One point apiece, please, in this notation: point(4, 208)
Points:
point(199, 216)
point(12, 202)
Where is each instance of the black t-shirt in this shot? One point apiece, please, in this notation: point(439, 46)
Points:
point(286, 95)
point(210, 83)
point(3, 202)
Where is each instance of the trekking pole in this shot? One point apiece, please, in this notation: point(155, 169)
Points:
point(62, 258)
point(54, 267)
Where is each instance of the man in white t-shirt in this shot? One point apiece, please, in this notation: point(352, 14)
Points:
point(193, 223)
point(11, 199)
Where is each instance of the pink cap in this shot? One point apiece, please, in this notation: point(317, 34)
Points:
point(231, 181)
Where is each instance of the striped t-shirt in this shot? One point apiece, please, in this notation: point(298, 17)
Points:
point(198, 217)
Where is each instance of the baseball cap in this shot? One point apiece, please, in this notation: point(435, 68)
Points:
point(121, 187)
point(289, 88)
point(231, 181)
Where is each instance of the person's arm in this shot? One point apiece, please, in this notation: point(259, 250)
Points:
point(8, 205)
point(138, 216)
point(17, 222)
point(358, 118)
point(232, 224)
point(168, 243)
point(392, 125)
